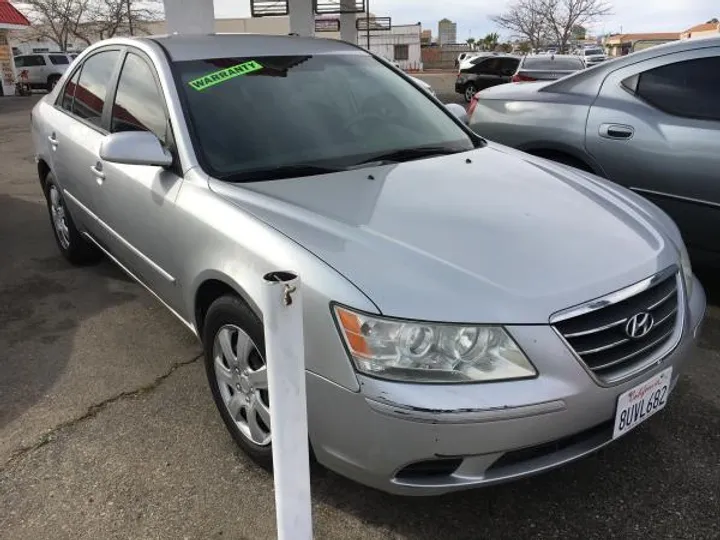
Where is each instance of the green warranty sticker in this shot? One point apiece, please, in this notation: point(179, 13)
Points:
point(216, 77)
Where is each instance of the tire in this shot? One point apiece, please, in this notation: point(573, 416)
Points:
point(470, 91)
point(71, 243)
point(52, 82)
point(238, 380)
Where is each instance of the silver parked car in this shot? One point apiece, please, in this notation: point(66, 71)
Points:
point(649, 121)
point(472, 314)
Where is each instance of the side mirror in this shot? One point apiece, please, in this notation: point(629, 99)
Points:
point(459, 111)
point(135, 148)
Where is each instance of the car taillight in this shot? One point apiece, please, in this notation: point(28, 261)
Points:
point(522, 78)
point(473, 104)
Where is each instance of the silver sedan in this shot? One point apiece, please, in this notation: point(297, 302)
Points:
point(649, 121)
point(471, 314)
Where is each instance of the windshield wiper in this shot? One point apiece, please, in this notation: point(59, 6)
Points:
point(279, 173)
point(409, 154)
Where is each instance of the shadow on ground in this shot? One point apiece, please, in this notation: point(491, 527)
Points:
point(42, 301)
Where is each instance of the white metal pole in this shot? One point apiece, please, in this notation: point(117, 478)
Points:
point(189, 16)
point(285, 354)
point(302, 17)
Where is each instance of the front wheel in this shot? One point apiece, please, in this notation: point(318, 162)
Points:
point(234, 346)
point(470, 91)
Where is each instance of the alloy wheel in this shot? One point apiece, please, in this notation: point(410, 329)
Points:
point(469, 93)
point(59, 220)
point(241, 374)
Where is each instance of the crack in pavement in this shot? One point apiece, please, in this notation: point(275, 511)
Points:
point(92, 411)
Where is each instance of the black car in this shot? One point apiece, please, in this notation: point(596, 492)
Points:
point(484, 72)
point(546, 67)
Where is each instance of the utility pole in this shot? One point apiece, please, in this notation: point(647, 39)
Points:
point(130, 19)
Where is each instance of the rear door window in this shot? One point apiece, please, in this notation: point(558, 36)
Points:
point(19, 61)
point(59, 60)
point(92, 86)
point(33, 60)
point(66, 102)
point(689, 88)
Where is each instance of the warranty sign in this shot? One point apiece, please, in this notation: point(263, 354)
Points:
point(217, 77)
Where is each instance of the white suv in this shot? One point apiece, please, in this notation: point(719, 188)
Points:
point(44, 69)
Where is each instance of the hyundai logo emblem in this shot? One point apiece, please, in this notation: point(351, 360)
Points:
point(639, 325)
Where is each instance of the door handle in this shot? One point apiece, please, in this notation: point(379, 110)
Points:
point(97, 171)
point(616, 131)
point(53, 141)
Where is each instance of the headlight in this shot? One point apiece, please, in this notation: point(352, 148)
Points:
point(429, 352)
point(686, 269)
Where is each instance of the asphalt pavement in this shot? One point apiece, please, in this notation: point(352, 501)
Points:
point(108, 430)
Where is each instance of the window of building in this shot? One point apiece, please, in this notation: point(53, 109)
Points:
point(688, 88)
point(402, 52)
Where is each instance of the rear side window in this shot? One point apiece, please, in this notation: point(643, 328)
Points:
point(688, 88)
point(139, 105)
point(92, 86)
point(69, 92)
point(59, 60)
point(33, 60)
point(19, 61)
point(508, 66)
point(550, 64)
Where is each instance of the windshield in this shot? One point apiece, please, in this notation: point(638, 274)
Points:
point(255, 115)
point(552, 64)
point(593, 52)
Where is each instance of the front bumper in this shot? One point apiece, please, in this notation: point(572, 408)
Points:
point(430, 439)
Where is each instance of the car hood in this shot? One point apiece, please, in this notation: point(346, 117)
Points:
point(491, 235)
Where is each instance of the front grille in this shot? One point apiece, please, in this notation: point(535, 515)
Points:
point(601, 339)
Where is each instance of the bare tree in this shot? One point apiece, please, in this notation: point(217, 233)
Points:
point(54, 20)
point(104, 19)
point(562, 16)
point(526, 19)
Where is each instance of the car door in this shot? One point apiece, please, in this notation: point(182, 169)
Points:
point(655, 127)
point(486, 73)
point(35, 66)
point(75, 131)
point(136, 202)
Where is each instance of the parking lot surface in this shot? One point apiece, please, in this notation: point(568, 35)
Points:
point(108, 430)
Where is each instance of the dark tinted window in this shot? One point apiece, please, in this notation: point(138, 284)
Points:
point(19, 61)
point(93, 84)
point(253, 116)
point(33, 60)
point(689, 88)
point(508, 66)
point(539, 63)
point(59, 60)
point(69, 92)
point(488, 66)
point(138, 103)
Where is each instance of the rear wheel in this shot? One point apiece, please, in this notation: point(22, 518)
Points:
point(72, 245)
point(470, 91)
point(52, 82)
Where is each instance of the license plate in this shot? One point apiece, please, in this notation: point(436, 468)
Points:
point(641, 402)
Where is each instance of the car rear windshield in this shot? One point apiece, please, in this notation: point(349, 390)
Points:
point(593, 52)
point(250, 115)
point(550, 64)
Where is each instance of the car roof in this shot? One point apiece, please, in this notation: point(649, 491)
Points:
point(587, 80)
point(196, 47)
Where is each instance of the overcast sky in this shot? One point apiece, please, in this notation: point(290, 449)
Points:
point(472, 15)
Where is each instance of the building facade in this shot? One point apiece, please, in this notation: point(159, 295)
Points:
point(447, 32)
point(11, 20)
point(709, 29)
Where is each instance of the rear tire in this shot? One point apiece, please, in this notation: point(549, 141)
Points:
point(71, 243)
point(52, 82)
point(470, 91)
